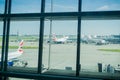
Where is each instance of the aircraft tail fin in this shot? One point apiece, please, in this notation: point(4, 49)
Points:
point(20, 50)
point(54, 37)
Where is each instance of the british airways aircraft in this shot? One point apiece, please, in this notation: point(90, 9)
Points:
point(60, 40)
point(12, 56)
point(16, 54)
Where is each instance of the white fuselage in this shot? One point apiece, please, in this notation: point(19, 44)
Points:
point(13, 55)
point(60, 40)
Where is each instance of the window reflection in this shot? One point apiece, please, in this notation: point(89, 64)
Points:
point(100, 46)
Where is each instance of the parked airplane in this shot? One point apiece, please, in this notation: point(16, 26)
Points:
point(16, 54)
point(59, 40)
point(13, 56)
point(93, 39)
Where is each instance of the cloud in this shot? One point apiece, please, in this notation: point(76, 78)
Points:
point(64, 7)
point(61, 7)
point(105, 7)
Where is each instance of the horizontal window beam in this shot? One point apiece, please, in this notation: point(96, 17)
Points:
point(46, 76)
point(99, 15)
point(39, 76)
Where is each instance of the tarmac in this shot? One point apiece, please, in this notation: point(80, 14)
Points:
point(63, 56)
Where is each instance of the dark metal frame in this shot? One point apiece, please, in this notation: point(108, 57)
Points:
point(78, 66)
point(41, 37)
point(7, 17)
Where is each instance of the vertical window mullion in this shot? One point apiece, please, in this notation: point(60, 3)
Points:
point(4, 36)
point(41, 37)
point(7, 35)
point(3, 45)
point(78, 66)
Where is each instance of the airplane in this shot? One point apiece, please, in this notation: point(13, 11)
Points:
point(89, 39)
point(13, 56)
point(59, 40)
point(16, 54)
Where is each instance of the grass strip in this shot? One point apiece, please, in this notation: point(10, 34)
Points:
point(110, 50)
point(24, 47)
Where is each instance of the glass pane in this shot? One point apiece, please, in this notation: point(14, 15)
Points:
point(1, 33)
point(10, 78)
point(59, 51)
point(100, 46)
point(61, 5)
point(23, 45)
point(2, 5)
point(100, 5)
point(24, 6)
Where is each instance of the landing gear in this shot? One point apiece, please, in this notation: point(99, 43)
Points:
point(20, 63)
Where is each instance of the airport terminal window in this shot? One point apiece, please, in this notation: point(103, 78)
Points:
point(61, 6)
point(100, 5)
point(24, 38)
point(1, 38)
point(60, 45)
point(18, 78)
point(2, 2)
point(61, 38)
point(24, 6)
point(100, 46)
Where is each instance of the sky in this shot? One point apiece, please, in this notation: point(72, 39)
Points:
point(94, 27)
point(98, 5)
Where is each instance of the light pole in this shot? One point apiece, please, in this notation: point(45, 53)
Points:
point(50, 37)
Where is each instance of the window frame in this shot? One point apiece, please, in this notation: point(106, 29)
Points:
point(7, 17)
